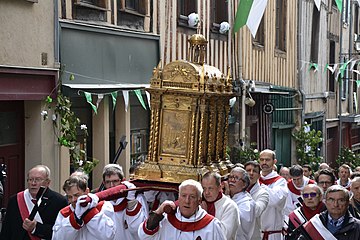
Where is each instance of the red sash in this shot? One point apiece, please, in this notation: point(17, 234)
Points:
point(292, 188)
point(211, 205)
point(190, 226)
point(24, 212)
point(121, 206)
point(270, 180)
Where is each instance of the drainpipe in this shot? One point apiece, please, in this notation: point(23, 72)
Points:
point(349, 83)
point(56, 35)
point(299, 48)
point(341, 81)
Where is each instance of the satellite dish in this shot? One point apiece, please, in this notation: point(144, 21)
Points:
point(268, 108)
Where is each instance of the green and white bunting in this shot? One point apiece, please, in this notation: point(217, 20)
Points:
point(139, 96)
point(89, 100)
point(114, 96)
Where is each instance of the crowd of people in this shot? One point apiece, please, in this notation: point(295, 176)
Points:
point(255, 202)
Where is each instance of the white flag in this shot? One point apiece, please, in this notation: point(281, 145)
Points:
point(255, 15)
point(318, 2)
point(125, 94)
point(99, 99)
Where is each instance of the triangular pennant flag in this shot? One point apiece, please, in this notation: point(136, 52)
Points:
point(357, 72)
point(358, 2)
point(352, 65)
point(89, 100)
point(332, 69)
point(99, 99)
point(339, 4)
point(342, 68)
point(326, 67)
point(139, 96)
point(317, 3)
point(114, 96)
point(125, 94)
point(249, 12)
point(357, 83)
point(313, 65)
point(148, 98)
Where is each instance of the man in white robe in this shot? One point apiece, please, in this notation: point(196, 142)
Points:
point(238, 183)
point(273, 220)
point(258, 194)
point(185, 221)
point(219, 205)
point(131, 211)
point(296, 185)
point(77, 222)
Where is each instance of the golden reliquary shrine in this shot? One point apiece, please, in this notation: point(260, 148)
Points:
point(189, 119)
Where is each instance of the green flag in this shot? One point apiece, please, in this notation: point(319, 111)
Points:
point(113, 96)
point(242, 14)
point(89, 100)
point(139, 96)
point(339, 4)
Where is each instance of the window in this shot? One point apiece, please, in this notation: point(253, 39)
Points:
point(133, 6)
point(93, 10)
point(331, 77)
point(346, 10)
point(91, 3)
point(184, 8)
point(219, 13)
point(315, 36)
point(131, 14)
point(260, 34)
point(281, 25)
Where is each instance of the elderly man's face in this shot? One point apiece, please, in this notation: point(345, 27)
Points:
point(336, 204)
point(355, 189)
point(189, 200)
point(36, 179)
point(211, 190)
point(311, 197)
point(236, 182)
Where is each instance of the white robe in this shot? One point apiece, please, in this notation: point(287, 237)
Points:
point(273, 216)
point(227, 212)
point(167, 231)
point(261, 198)
point(246, 207)
point(293, 197)
point(127, 222)
point(101, 226)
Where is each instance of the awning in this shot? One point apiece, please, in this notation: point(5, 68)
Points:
point(106, 57)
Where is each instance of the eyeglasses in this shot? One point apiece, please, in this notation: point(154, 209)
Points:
point(35, 180)
point(312, 194)
point(235, 178)
point(108, 182)
point(338, 201)
point(322, 183)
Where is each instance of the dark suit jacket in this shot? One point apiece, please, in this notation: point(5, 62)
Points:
point(12, 225)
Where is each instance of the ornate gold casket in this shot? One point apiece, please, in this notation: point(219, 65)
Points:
point(189, 119)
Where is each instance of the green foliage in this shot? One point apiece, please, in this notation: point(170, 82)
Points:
point(65, 124)
point(307, 146)
point(347, 156)
point(239, 155)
